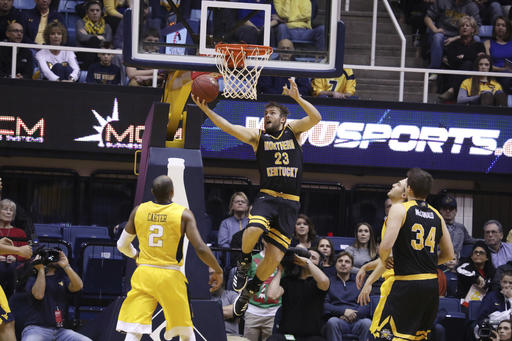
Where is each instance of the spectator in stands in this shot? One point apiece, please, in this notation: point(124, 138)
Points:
point(144, 77)
point(482, 90)
point(496, 304)
point(305, 233)
point(458, 232)
point(24, 62)
point(251, 31)
point(35, 21)
point(500, 49)
point(441, 20)
point(326, 249)
point(226, 298)
point(104, 72)
point(450, 272)
point(474, 275)
point(114, 12)
point(91, 31)
point(274, 85)
point(489, 10)
point(259, 317)
point(461, 54)
point(493, 236)
point(147, 23)
point(294, 22)
point(344, 314)
point(238, 220)
point(57, 65)
point(364, 248)
point(303, 300)
point(47, 312)
point(9, 263)
point(8, 14)
point(341, 87)
point(503, 332)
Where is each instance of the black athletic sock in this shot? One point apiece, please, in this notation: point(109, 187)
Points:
point(246, 258)
point(254, 284)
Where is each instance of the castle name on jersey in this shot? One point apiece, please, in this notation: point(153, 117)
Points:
point(279, 145)
point(157, 218)
point(423, 214)
point(282, 171)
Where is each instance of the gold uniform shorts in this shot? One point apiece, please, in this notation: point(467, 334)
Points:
point(152, 285)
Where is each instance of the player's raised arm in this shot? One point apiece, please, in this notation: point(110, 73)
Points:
point(394, 223)
point(445, 246)
point(188, 223)
point(305, 123)
point(244, 134)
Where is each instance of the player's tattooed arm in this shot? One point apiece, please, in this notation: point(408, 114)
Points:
point(244, 134)
point(313, 115)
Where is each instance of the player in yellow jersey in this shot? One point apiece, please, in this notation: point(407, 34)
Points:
point(398, 195)
point(160, 227)
point(6, 319)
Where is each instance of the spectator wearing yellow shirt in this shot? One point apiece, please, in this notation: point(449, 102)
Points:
point(482, 90)
point(341, 87)
point(293, 19)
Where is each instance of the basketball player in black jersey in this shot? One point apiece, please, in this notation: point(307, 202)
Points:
point(275, 209)
point(415, 231)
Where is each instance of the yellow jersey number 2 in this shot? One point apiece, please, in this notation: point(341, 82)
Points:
point(154, 238)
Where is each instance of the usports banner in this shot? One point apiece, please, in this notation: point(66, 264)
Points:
point(376, 134)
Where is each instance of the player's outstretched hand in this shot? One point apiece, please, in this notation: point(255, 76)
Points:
point(215, 281)
point(364, 295)
point(200, 103)
point(293, 90)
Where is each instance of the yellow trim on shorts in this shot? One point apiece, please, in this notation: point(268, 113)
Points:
point(279, 237)
point(385, 289)
point(259, 219)
point(416, 277)
point(280, 195)
point(420, 334)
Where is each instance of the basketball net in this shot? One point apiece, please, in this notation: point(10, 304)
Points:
point(240, 80)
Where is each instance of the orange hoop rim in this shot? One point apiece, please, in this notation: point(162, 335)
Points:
point(257, 50)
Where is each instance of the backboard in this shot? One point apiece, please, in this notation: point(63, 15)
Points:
point(307, 37)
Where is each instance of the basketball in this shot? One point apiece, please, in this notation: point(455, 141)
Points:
point(205, 87)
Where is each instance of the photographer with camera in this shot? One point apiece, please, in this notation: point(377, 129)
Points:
point(503, 333)
point(496, 307)
point(50, 287)
point(303, 288)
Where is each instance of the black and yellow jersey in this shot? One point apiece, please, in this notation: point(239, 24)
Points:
point(415, 249)
point(280, 162)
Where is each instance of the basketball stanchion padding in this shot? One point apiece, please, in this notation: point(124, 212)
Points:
point(240, 66)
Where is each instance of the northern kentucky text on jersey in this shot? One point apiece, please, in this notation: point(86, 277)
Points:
point(279, 145)
point(400, 138)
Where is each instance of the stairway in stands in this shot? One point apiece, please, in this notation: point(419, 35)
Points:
point(380, 85)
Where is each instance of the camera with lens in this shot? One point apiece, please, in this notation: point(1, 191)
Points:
point(290, 268)
point(485, 330)
point(47, 255)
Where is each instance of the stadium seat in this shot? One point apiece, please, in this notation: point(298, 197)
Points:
point(485, 31)
point(466, 250)
point(473, 310)
point(68, 6)
point(48, 230)
point(450, 308)
point(103, 270)
point(76, 235)
point(24, 4)
point(341, 243)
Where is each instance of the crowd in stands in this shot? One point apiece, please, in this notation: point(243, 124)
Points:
point(455, 34)
point(480, 273)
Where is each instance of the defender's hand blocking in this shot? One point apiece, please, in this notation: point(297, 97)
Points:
point(293, 90)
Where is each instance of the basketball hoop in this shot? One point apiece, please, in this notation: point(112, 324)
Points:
point(240, 80)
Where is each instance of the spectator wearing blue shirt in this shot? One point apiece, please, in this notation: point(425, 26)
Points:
point(35, 21)
point(501, 252)
point(238, 209)
point(104, 72)
point(344, 314)
point(46, 315)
